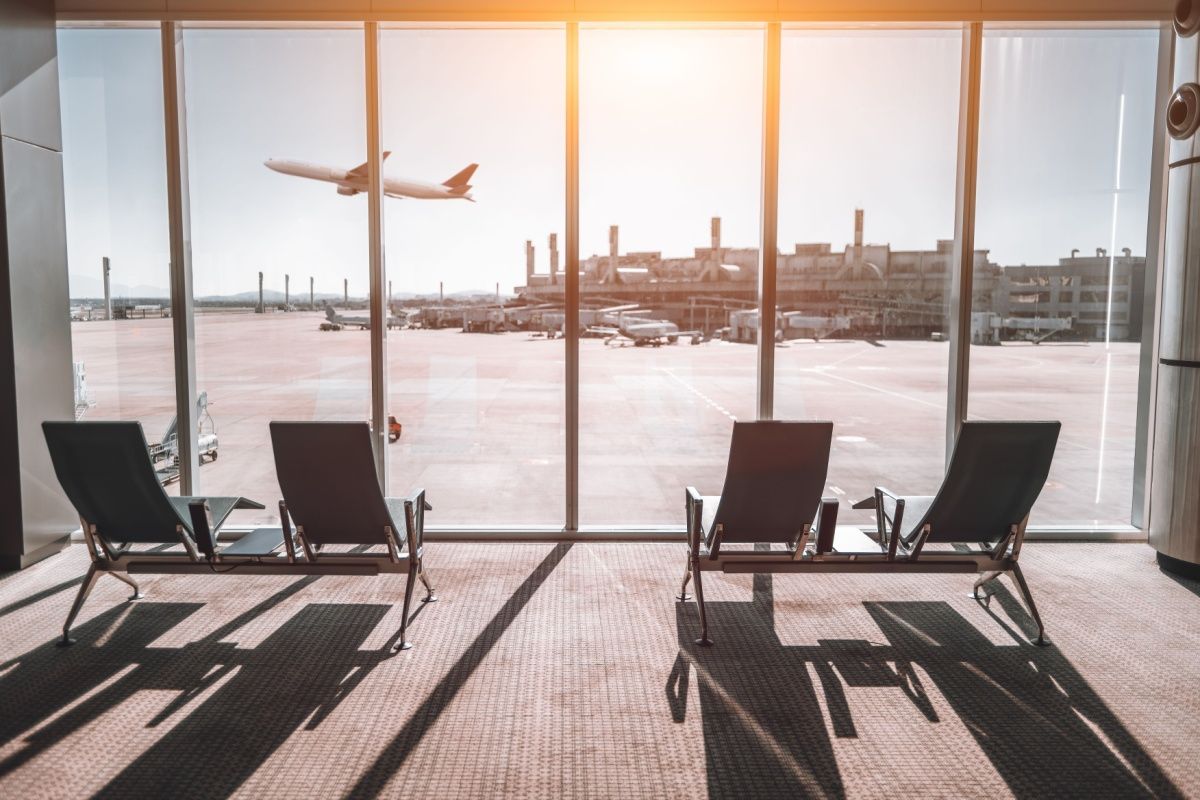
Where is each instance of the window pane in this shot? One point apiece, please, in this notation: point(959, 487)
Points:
point(474, 382)
point(868, 147)
point(1066, 129)
point(670, 142)
point(115, 183)
point(294, 98)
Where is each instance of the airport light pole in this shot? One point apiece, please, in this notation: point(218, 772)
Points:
point(312, 297)
point(107, 290)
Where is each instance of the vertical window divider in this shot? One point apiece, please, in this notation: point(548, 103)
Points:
point(179, 226)
point(571, 296)
point(963, 265)
point(768, 244)
point(1156, 229)
point(378, 272)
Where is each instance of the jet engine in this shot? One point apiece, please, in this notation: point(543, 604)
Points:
point(346, 190)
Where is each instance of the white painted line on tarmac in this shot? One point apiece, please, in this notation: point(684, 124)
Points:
point(699, 393)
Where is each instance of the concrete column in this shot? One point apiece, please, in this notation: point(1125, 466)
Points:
point(553, 258)
point(1174, 529)
point(529, 265)
point(35, 517)
point(345, 291)
point(312, 294)
point(260, 308)
point(287, 292)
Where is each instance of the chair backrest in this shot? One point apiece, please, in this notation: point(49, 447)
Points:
point(774, 481)
point(995, 475)
point(327, 473)
point(106, 471)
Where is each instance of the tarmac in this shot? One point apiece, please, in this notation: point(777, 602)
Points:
point(483, 414)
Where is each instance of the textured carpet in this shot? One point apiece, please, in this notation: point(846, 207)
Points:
point(569, 671)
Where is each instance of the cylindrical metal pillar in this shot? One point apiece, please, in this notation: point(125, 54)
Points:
point(1175, 491)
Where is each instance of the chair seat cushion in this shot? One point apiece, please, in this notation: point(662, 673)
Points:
point(915, 508)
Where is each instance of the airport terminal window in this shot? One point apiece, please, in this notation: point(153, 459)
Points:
point(267, 110)
point(114, 178)
point(868, 133)
point(474, 120)
point(1066, 128)
point(670, 142)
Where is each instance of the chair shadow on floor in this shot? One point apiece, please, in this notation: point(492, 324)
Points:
point(257, 697)
point(1042, 727)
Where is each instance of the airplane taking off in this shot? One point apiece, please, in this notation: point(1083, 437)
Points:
point(354, 181)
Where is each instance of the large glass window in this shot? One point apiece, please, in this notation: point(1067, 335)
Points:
point(670, 142)
point(117, 250)
point(474, 122)
point(473, 128)
point(868, 143)
point(1066, 128)
point(272, 115)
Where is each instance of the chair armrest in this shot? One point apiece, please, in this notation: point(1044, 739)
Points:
point(415, 506)
point(202, 526)
point(827, 514)
point(694, 507)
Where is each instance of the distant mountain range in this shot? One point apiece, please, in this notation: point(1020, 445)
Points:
point(85, 287)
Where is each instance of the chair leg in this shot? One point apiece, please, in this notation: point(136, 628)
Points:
point(89, 580)
point(404, 643)
point(124, 578)
point(1024, 587)
point(683, 596)
point(429, 597)
point(703, 641)
point(984, 578)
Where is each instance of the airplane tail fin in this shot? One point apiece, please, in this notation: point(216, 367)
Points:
point(329, 312)
point(462, 178)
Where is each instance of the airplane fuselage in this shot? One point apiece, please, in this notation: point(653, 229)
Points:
point(349, 183)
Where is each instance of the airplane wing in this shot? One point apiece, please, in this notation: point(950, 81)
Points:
point(361, 170)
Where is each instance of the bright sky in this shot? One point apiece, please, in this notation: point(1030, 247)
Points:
point(670, 136)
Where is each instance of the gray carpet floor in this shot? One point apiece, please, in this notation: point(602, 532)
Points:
point(569, 671)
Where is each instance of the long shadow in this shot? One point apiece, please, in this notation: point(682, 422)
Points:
point(1043, 728)
point(44, 682)
point(299, 673)
point(37, 597)
point(392, 758)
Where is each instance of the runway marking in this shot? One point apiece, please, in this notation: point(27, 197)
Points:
point(698, 393)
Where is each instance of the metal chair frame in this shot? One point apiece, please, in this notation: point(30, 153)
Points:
point(895, 555)
point(257, 555)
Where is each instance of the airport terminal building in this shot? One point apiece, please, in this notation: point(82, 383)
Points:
point(865, 290)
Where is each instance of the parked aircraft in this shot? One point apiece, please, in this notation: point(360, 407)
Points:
point(335, 321)
point(633, 326)
point(354, 181)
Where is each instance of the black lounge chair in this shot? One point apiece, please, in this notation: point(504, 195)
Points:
point(772, 495)
point(995, 474)
point(331, 492)
point(106, 472)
